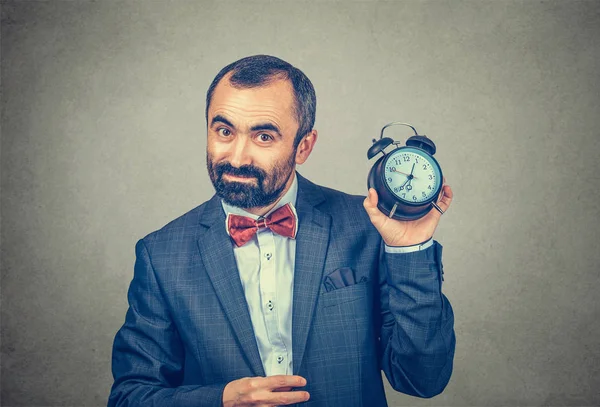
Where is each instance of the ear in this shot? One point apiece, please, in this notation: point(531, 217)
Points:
point(305, 147)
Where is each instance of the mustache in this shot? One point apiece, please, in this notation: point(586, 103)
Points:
point(243, 171)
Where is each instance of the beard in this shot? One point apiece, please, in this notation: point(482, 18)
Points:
point(265, 191)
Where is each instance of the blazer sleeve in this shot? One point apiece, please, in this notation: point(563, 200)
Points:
point(417, 323)
point(148, 354)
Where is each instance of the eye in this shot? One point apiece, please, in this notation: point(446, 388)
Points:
point(265, 138)
point(224, 132)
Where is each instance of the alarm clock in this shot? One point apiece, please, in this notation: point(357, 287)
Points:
point(408, 180)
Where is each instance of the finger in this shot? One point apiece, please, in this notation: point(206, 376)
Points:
point(286, 398)
point(441, 194)
point(446, 194)
point(279, 381)
point(445, 199)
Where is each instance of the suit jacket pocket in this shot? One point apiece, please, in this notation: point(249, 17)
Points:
point(343, 295)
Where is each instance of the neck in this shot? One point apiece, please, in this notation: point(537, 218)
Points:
point(262, 210)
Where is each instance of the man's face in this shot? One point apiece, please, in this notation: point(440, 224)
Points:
point(250, 143)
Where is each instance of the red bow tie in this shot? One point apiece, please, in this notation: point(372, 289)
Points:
point(242, 228)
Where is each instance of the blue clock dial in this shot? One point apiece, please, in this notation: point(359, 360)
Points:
point(412, 176)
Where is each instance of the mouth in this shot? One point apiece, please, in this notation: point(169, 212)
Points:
point(239, 177)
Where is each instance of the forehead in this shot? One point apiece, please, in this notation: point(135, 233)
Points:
point(270, 102)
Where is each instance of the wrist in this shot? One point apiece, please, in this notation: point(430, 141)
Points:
point(406, 243)
point(409, 249)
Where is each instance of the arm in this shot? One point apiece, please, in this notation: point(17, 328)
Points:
point(148, 359)
point(417, 324)
point(417, 331)
point(148, 355)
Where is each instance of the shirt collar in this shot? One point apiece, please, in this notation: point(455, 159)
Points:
point(289, 197)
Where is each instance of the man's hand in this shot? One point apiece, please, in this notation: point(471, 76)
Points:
point(264, 391)
point(407, 233)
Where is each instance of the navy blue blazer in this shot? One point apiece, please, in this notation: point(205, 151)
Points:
point(187, 332)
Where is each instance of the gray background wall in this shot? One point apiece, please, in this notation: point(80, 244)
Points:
point(103, 141)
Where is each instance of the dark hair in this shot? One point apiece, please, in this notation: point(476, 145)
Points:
point(260, 70)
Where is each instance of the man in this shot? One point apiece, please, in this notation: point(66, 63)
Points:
point(277, 291)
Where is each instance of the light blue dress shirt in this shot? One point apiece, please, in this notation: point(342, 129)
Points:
point(266, 268)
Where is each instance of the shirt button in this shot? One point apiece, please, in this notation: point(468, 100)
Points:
point(270, 306)
point(279, 359)
point(268, 256)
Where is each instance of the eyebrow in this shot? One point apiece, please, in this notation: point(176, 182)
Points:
point(266, 126)
point(258, 127)
point(220, 119)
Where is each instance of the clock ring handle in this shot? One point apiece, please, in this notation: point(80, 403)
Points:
point(397, 124)
point(418, 140)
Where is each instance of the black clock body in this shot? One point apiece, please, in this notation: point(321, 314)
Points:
point(391, 201)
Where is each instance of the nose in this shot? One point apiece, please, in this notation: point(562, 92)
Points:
point(239, 152)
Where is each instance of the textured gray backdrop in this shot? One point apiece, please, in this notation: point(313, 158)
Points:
point(103, 141)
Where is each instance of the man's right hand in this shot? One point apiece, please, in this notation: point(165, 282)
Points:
point(264, 391)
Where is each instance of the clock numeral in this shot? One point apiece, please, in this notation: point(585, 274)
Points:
point(390, 180)
point(424, 194)
point(398, 162)
point(406, 158)
point(430, 177)
point(404, 195)
point(424, 166)
point(428, 186)
point(414, 197)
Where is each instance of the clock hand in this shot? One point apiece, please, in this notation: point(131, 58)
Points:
point(400, 172)
point(410, 177)
point(402, 186)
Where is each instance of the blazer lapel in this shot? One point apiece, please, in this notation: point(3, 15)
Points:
point(312, 241)
point(216, 250)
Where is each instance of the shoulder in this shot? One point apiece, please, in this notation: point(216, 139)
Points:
point(350, 222)
point(337, 203)
point(342, 200)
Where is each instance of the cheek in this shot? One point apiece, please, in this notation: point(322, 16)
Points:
point(263, 161)
point(282, 164)
point(216, 151)
point(265, 158)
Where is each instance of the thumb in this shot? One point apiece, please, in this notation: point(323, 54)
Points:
point(370, 202)
point(373, 198)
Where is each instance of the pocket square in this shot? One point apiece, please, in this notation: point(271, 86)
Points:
point(342, 277)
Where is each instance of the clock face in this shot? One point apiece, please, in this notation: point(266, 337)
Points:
point(412, 175)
